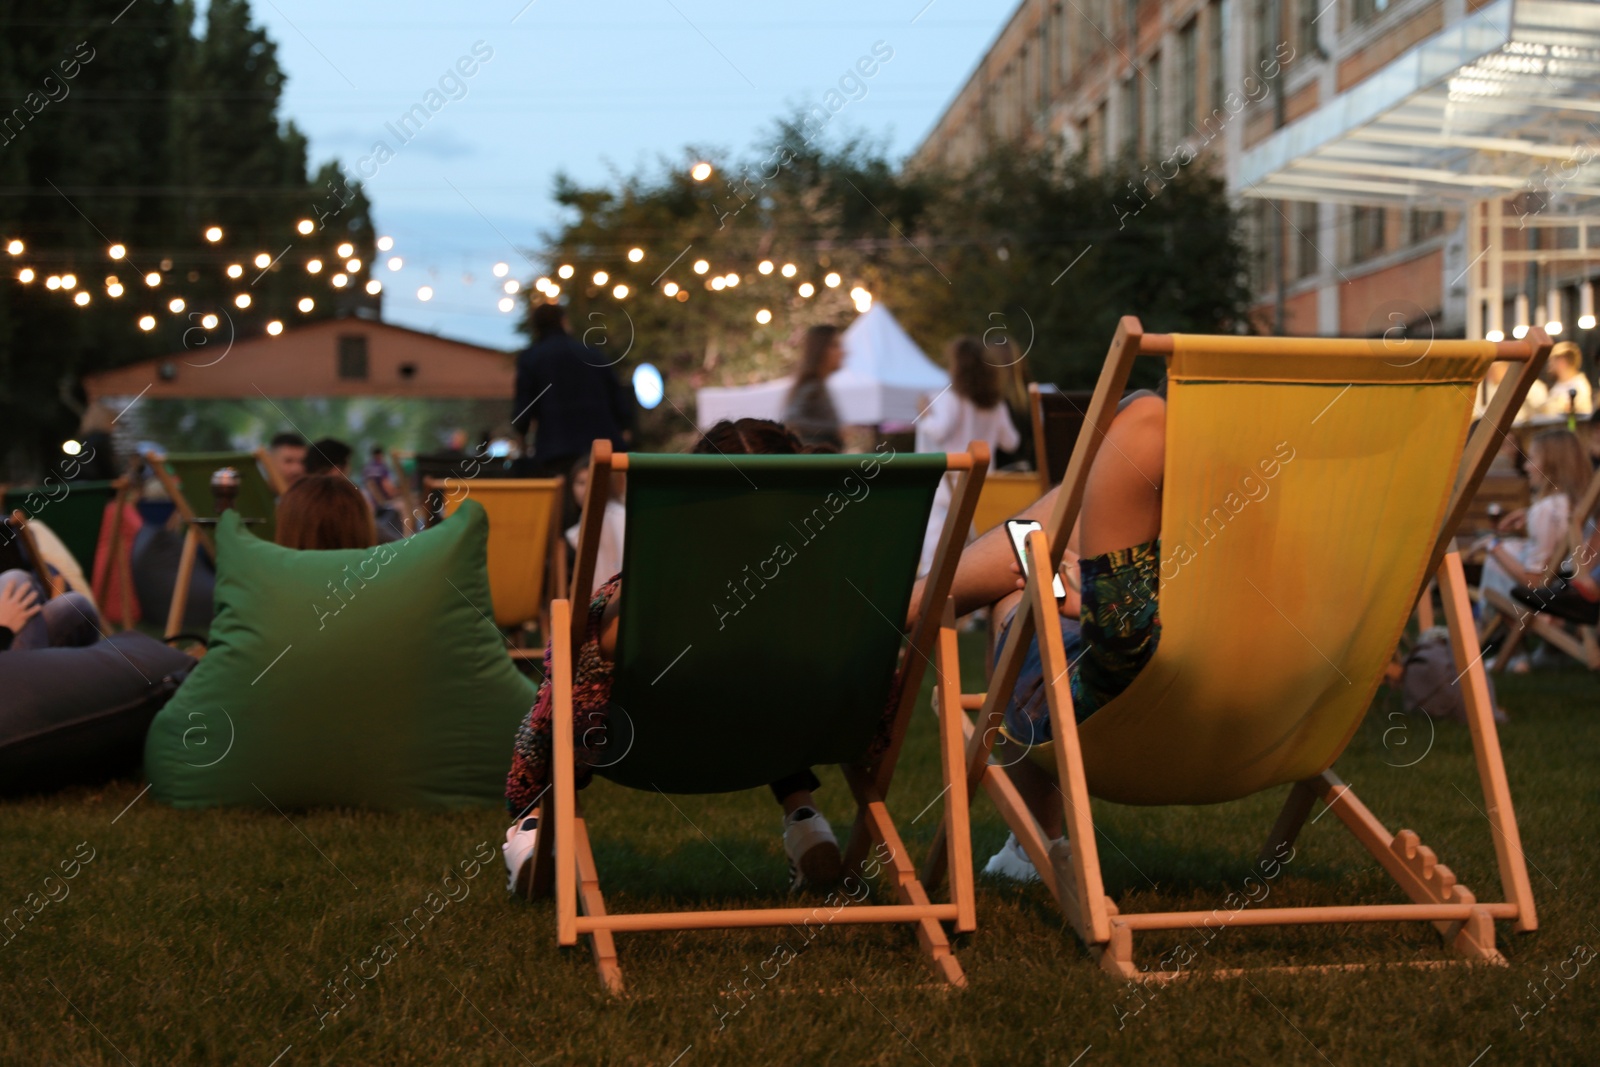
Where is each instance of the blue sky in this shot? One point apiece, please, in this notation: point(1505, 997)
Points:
point(590, 88)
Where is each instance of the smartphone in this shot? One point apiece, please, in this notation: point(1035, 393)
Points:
point(1019, 529)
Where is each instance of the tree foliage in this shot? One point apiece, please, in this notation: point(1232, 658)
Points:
point(1026, 248)
point(138, 129)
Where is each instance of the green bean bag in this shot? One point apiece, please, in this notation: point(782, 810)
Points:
point(366, 677)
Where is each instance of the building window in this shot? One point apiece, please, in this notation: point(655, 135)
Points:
point(1367, 10)
point(1188, 77)
point(1216, 36)
point(1099, 138)
point(353, 357)
point(1307, 12)
point(1150, 99)
point(1426, 224)
point(1264, 31)
point(1307, 257)
point(1366, 232)
point(1061, 26)
point(1261, 237)
point(1130, 117)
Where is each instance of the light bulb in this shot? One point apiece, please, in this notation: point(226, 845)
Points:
point(1494, 335)
point(82, 299)
point(425, 293)
point(114, 289)
point(68, 281)
point(601, 277)
point(670, 289)
point(213, 234)
point(701, 266)
point(147, 323)
point(116, 251)
point(552, 291)
point(339, 280)
point(806, 289)
point(314, 266)
point(700, 171)
point(542, 284)
point(1519, 314)
point(395, 263)
point(152, 279)
point(620, 292)
point(789, 270)
point(1586, 306)
point(25, 275)
point(502, 269)
point(234, 270)
point(719, 284)
point(262, 261)
point(53, 282)
point(241, 301)
point(14, 246)
point(209, 322)
point(71, 448)
point(635, 255)
point(832, 280)
point(345, 249)
point(274, 328)
point(175, 305)
point(763, 316)
point(765, 266)
point(374, 287)
point(385, 243)
point(731, 278)
point(353, 266)
point(566, 270)
point(305, 226)
point(306, 304)
point(511, 285)
point(506, 303)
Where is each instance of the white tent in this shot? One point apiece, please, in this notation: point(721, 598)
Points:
point(884, 373)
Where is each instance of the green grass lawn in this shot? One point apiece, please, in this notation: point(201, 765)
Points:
point(211, 937)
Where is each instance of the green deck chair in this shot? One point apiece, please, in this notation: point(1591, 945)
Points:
point(760, 634)
point(74, 510)
point(187, 479)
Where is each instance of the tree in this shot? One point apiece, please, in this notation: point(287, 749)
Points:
point(1026, 249)
point(143, 133)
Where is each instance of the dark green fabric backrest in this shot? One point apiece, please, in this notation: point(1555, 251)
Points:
point(762, 605)
point(193, 471)
point(363, 677)
point(74, 510)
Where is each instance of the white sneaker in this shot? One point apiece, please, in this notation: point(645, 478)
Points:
point(814, 858)
point(1011, 862)
point(521, 838)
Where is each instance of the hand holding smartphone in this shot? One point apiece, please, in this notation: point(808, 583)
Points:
point(1018, 530)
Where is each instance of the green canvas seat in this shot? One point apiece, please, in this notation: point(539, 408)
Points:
point(74, 510)
point(760, 634)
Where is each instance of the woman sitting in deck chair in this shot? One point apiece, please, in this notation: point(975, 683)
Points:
point(1110, 621)
point(814, 858)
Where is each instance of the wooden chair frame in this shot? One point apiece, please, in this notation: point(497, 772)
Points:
point(195, 535)
point(1584, 645)
point(555, 561)
point(19, 520)
point(567, 858)
point(1466, 923)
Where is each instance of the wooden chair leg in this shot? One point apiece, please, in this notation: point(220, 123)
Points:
point(180, 585)
point(542, 880)
point(561, 758)
point(1296, 807)
point(958, 831)
point(605, 949)
point(1486, 743)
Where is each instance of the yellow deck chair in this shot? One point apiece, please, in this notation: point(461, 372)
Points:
point(1280, 610)
point(1004, 494)
point(527, 557)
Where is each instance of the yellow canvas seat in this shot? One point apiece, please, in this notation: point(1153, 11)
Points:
point(526, 555)
point(1004, 494)
point(1311, 488)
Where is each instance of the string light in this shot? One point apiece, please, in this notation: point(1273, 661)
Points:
point(274, 328)
point(241, 301)
point(14, 246)
point(234, 270)
point(305, 226)
point(806, 289)
point(832, 280)
point(620, 292)
point(501, 269)
point(506, 303)
point(353, 266)
point(374, 287)
point(385, 243)
point(511, 285)
point(314, 266)
point(765, 266)
point(262, 261)
point(683, 294)
point(152, 279)
point(395, 263)
point(567, 270)
point(731, 278)
point(68, 281)
point(635, 255)
point(175, 305)
point(147, 323)
point(552, 290)
point(306, 304)
point(213, 234)
point(542, 284)
point(601, 277)
point(670, 289)
point(53, 282)
point(719, 284)
point(114, 289)
point(345, 249)
point(209, 321)
point(116, 251)
point(763, 316)
point(425, 293)
point(789, 270)
point(700, 172)
point(339, 280)
point(25, 275)
point(701, 266)
point(82, 299)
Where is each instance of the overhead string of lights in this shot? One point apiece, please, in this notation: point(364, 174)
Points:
point(343, 273)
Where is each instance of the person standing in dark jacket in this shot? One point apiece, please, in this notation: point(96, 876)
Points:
point(569, 394)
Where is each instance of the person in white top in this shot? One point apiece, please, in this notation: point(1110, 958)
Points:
point(1532, 404)
point(971, 409)
point(1570, 392)
point(608, 560)
point(1558, 474)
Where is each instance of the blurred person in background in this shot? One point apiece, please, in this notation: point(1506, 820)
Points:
point(288, 452)
point(808, 411)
